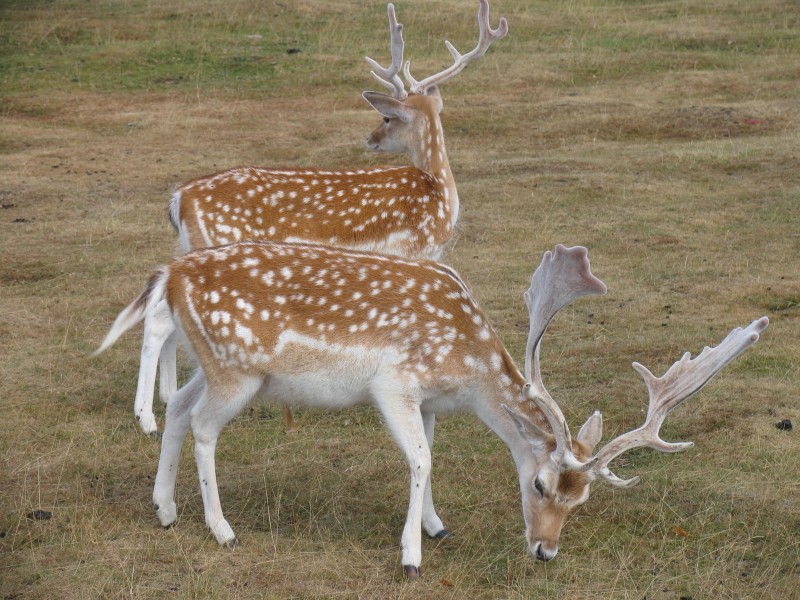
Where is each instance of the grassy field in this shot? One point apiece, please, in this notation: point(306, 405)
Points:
point(662, 135)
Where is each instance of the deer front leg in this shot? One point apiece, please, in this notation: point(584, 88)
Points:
point(430, 520)
point(158, 327)
point(175, 428)
point(404, 420)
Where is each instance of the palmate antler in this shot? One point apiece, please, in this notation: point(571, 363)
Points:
point(562, 277)
point(680, 382)
point(388, 77)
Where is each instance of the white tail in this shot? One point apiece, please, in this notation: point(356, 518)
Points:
point(331, 328)
point(137, 310)
point(405, 211)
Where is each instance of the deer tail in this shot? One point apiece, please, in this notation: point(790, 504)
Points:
point(154, 291)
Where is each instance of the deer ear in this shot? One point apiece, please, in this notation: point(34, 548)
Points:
point(388, 106)
point(592, 431)
point(535, 435)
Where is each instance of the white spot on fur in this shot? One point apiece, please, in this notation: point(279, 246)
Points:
point(245, 333)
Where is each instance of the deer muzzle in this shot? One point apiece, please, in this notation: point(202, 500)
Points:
point(543, 551)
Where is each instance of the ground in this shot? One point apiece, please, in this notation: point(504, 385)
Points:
point(663, 136)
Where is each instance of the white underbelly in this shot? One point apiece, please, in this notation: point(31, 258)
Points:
point(318, 389)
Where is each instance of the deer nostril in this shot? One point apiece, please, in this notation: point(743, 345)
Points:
point(540, 555)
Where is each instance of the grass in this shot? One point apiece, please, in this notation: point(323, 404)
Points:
point(661, 135)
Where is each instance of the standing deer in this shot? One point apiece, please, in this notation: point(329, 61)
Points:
point(406, 211)
point(330, 328)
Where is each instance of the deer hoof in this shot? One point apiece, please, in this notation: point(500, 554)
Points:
point(148, 423)
point(234, 543)
point(442, 535)
point(167, 514)
point(411, 571)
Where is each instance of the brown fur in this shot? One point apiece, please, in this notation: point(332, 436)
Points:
point(571, 484)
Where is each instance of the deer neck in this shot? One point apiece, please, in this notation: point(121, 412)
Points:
point(507, 389)
point(430, 156)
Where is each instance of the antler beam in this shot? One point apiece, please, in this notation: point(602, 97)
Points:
point(388, 77)
point(562, 277)
point(680, 382)
point(487, 35)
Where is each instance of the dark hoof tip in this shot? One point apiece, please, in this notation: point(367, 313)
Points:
point(411, 571)
point(156, 435)
point(170, 526)
point(234, 543)
point(40, 515)
point(442, 535)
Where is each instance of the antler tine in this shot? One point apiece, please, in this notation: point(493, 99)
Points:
point(388, 77)
point(487, 35)
point(562, 277)
point(679, 383)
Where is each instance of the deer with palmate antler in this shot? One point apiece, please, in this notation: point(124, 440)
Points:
point(405, 211)
point(330, 328)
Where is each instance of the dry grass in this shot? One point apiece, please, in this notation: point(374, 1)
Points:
point(661, 135)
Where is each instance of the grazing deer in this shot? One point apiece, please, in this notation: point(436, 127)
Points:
point(406, 211)
point(325, 327)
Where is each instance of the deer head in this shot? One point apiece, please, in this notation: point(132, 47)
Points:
point(409, 118)
point(566, 466)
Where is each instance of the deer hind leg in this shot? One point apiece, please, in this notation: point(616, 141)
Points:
point(175, 428)
point(289, 420)
point(404, 420)
point(158, 328)
point(430, 520)
point(168, 368)
point(209, 416)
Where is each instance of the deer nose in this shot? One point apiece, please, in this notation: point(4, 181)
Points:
point(543, 554)
point(540, 555)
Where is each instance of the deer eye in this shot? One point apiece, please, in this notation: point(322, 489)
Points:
point(386, 119)
point(537, 483)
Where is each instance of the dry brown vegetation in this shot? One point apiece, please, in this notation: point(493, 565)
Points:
point(663, 136)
